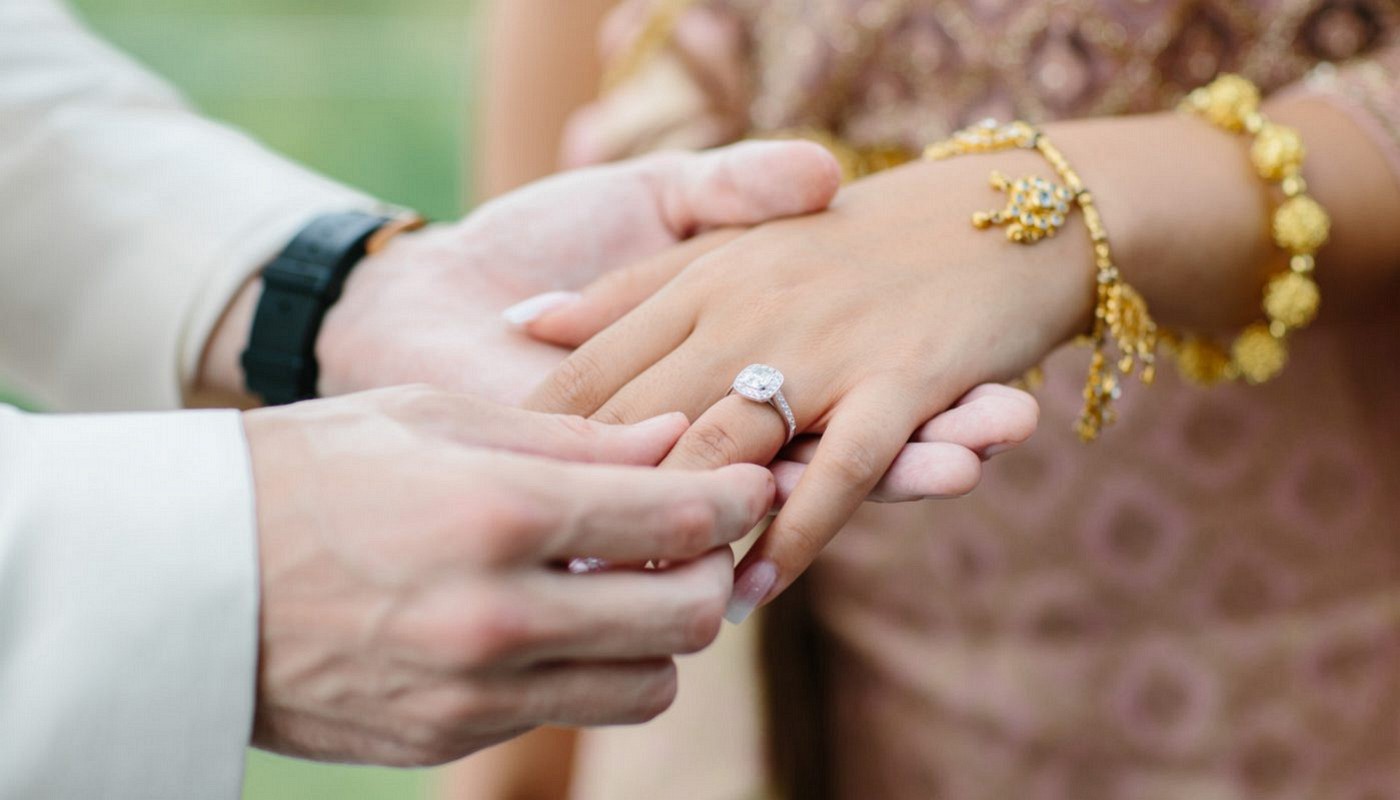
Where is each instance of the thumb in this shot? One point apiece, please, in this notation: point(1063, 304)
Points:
point(569, 319)
point(745, 184)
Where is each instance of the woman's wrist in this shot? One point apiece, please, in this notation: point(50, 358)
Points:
point(1187, 217)
point(1050, 284)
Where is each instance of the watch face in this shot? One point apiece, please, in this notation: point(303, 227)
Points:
point(758, 382)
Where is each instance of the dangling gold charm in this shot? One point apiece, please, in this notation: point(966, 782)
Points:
point(1035, 208)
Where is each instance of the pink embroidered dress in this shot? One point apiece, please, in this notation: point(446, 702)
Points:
point(1206, 603)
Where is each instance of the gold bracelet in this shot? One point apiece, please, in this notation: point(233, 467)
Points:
point(1036, 209)
point(1300, 226)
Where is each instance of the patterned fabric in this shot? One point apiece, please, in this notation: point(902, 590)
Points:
point(1206, 603)
point(910, 71)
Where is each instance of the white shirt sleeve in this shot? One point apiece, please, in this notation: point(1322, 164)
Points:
point(128, 605)
point(127, 222)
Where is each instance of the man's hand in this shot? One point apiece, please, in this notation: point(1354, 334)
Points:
point(428, 308)
point(415, 604)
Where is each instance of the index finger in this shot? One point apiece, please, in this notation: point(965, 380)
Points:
point(635, 515)
point(616, 293)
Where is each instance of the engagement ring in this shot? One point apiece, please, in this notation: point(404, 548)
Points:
point(764, 384)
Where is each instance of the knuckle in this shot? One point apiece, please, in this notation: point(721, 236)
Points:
point(576, 426)
point(657, 693)
point(622, 283)
point(488, 634)
point(615, 413)
point(804, 541)
point(471, 707)
point(577, 382)
point(691, 527)
point(853, 462)
point(462, 709)
point(704, 620)
point(713, 445)
point(496, 546)
point(509, 528)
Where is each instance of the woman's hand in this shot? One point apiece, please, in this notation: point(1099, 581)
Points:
point(941, 460)
point(881, 314)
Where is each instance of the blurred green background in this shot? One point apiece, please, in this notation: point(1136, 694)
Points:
point(373, 92)
point(376, 93)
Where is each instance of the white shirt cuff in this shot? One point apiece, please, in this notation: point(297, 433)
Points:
point(128, 605)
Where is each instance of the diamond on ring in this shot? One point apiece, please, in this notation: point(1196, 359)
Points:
point(764, 384)
point(583, 566)
point(758, 382)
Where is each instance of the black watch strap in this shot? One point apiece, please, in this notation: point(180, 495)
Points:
point(299, 286)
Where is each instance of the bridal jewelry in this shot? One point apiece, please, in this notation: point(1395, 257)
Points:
point(764, 384)
point(1300, 226)
point(1036, 210)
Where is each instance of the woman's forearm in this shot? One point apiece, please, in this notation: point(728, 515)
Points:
point(1190, 219)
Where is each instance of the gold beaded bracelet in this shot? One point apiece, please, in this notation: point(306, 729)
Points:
point(1036, 209)
point(1300, 226)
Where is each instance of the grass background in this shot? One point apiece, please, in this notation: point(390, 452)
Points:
point(376, 93)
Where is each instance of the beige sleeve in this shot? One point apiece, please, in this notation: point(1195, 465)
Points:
point(127, 221)
point(129, 589)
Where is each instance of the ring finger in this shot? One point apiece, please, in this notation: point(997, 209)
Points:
point(728, 429)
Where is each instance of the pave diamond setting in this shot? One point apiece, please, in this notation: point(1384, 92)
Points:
point(758, 382)
point(764, 384)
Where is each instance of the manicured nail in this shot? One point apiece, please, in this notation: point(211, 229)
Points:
point(750, 589)
point(527, 311)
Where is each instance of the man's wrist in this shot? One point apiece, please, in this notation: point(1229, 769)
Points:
point(223, 379)
point(220, 381)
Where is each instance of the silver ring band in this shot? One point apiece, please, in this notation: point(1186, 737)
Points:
point(764, 384)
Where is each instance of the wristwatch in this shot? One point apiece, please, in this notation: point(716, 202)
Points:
point(299, 286)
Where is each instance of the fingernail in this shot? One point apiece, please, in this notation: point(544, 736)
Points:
point(527, 311)
point(996, 450)
point(750, 589)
